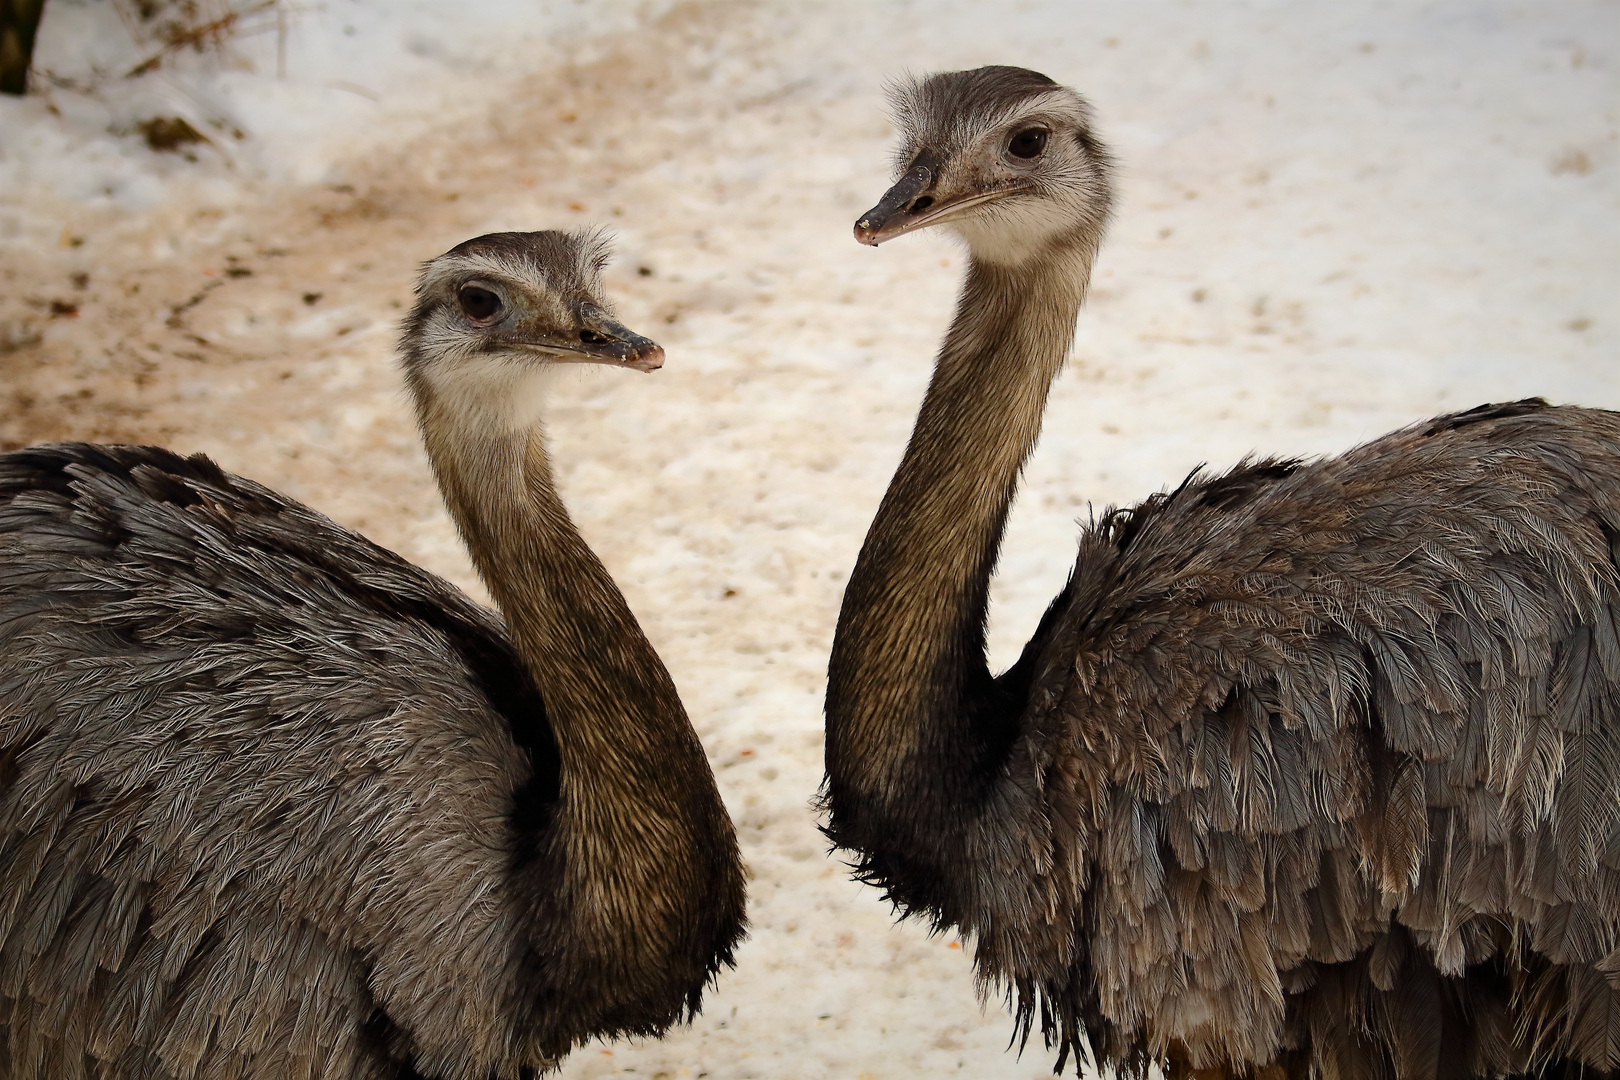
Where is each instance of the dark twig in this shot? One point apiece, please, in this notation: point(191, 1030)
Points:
point(19, 20)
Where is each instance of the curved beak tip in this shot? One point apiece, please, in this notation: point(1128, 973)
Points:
point(649, 359)
point(895, 212)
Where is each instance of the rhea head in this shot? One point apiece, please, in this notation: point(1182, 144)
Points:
point(496, 315)
point(1005, 156)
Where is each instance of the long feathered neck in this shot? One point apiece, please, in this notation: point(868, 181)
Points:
point(606, 691)
point(913, 727)
point(637, 865)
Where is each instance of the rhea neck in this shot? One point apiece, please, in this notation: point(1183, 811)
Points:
point(637, 833)
point(607, 694)
point(911, 707)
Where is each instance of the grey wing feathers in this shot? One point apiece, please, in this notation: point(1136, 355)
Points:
point(254, 799)
point(1342, 731)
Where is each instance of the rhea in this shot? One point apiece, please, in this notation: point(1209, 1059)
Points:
point(276, 803)
point(1312, 766)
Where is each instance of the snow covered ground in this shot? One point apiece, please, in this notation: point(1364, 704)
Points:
point(1336, 218)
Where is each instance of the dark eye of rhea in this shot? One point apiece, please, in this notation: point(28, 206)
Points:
point(1028, 143)
point(478, 303)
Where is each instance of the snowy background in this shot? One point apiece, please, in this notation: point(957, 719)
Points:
point(1335, 218)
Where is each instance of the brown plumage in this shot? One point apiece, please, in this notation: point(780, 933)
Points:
point(275, 803)
point(1313, 766)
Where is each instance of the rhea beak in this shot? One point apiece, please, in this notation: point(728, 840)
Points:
point(902, 208)
point(915, 202)
point(607, 341)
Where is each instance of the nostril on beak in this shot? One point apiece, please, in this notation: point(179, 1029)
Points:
point(590, 337)
point(920, 205)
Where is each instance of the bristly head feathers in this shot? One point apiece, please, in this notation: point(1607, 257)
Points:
point(495, 313)
point(944, 112)
point(570, 263)
point(1004, 155)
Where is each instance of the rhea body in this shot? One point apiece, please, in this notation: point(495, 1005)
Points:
point(1311, 766)
point(276, 803)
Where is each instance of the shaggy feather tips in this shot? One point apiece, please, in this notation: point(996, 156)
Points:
point(1345, 731)
point(1321, 766)
point(263, 686)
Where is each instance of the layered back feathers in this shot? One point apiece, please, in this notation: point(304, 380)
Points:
point(263, 789)
point(163, 794)
point(1332, 758)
